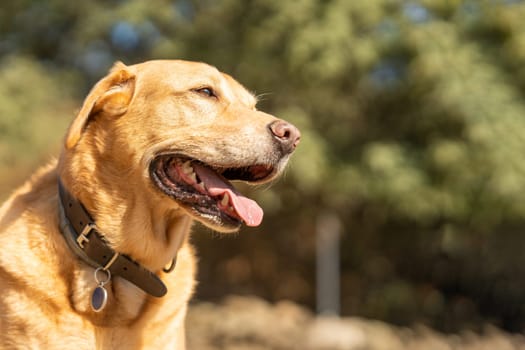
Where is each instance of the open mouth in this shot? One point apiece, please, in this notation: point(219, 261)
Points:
point(206, 190)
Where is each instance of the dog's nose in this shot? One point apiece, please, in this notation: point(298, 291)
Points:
point(287, 135)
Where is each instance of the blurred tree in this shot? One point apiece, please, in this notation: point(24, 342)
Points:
point(412, 114)
point(35, 107)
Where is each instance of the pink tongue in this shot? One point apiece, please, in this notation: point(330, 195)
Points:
point(247, 209)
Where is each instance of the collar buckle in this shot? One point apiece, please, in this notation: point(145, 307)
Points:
point(83, 237)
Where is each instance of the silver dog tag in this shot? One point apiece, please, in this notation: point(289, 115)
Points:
point(99, 298)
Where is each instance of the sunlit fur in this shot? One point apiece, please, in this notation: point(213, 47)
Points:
point(129, 117)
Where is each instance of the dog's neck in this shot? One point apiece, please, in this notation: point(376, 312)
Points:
point(134, 222)
point(86, 241)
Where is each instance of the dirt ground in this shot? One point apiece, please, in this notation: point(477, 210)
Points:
point(246, 323)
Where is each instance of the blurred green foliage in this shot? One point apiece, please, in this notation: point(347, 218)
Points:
point(413, 122)
point(34, 102)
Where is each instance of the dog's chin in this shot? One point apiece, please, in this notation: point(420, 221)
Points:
point(204, 191)
point(214, 223)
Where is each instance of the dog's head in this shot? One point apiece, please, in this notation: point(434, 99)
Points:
point(182, 131)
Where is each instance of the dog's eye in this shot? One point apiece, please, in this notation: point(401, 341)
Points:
point(207, 91)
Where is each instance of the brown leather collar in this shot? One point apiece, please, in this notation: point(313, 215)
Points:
point(86, 241)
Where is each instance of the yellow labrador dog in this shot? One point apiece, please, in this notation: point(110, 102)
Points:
point(95, 251)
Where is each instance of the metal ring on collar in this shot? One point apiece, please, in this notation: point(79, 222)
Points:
point(108, 276)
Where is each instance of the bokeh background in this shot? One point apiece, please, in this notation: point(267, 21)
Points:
point(413, 122)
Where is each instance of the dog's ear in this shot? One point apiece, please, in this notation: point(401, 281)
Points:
point(110, 96)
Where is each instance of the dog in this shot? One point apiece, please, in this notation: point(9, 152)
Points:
point(94, 247)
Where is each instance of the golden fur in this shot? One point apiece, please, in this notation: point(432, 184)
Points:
point(131, 115)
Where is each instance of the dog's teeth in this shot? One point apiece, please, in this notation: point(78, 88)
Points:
point(193, 177)
point(187, 168)
point(225, 199)
point(200, 186)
